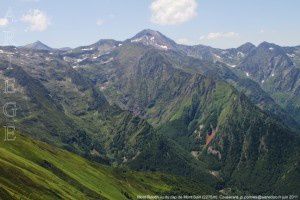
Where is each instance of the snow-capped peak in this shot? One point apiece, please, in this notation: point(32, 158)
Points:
point(153, 38)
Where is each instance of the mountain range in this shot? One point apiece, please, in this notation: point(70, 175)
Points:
point(225, 119)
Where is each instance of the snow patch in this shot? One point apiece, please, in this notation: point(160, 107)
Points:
point(163, 47)
point(9, 53)
point(290, 55)
point(240, 54)
point(5, 52)
point(229, 65)
point(146, 40)
point(87, 49)
point(137, 40)
point(217, 56)
point(80, 60)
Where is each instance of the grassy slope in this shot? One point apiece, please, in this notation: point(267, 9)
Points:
point(34, 170)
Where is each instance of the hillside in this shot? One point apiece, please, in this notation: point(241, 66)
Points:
point(151, 105)
point(188, 107)
point(34, 170)
point(61, 107)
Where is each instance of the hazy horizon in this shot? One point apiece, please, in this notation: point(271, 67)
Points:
point(58, 47)
point(209, 22)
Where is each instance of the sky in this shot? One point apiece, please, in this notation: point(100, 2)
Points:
point(217, 23)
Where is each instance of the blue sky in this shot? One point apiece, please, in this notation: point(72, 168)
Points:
point(218, 23)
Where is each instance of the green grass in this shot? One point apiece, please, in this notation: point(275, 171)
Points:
point(35, 170)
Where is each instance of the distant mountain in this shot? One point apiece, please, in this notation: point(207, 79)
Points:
point(153, 38)
point(90, 53)
point(266, 61)
point(246, 48)
point(159, 41)
point(231, 56)
point(101, 45)
point(38, 45)
point(65, 49)
point(277, 70)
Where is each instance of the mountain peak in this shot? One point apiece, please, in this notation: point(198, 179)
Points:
point(153, 38)
point(38, 42)
point(149, 32)
point(38, 45)
point(264, 43)
point(247, 44)
point(106, 41)
point(246, 48)
point(270, 47)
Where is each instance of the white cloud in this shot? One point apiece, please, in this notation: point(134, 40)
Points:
point(38, 20)
point(100, 22)
point(172, 12)
point(3, 21)
point(219, 35)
